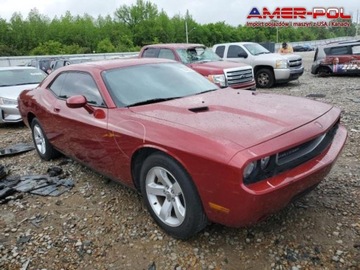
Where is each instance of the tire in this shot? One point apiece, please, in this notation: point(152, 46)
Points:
point(43, 147)
point(171, 197)
point(324, 71)
point(264, 78)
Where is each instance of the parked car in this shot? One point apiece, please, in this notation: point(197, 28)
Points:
point(337, 58)
point(205, 62)
point(269, 68)
point(196, 152)
point(12, 81)
point(303, 48)
point(42, 63)
point(68, 61)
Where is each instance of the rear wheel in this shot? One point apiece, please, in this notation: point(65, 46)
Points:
point(264, 78)
point(324, 71)
point(43, 147)
point(171, 197)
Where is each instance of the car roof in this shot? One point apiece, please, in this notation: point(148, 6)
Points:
point(341, 43)
point(175, 45)
point(237, 43)
point(116, 63)
point(17, 67)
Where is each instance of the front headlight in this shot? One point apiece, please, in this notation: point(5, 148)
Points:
point(259, 169)
point(249, 169)
point(8, 101)
point(282, 64)
point(264, 162)
point(218, 79)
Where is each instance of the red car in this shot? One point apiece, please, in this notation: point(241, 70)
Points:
point(196, 152)
point(204, 61)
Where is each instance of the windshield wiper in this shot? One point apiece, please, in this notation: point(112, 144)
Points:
point(262, 53)
point(202, 61)
point(206, 91)
point(25, 83)
point(149, 101)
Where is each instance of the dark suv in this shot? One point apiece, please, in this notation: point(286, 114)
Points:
point(337, 58)
point(41, 63)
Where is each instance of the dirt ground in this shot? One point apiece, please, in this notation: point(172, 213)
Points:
point(100, 224)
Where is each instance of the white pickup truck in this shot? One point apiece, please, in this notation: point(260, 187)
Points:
point(269, 68)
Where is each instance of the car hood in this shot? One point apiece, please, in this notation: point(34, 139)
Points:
point(242, 117)
point(216, 67)
point(276, 56)
point(12, 92)
point(289, 56)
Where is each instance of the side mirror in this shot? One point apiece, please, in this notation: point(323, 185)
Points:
point(79, 101)
point(76, 102)
point(242, 55)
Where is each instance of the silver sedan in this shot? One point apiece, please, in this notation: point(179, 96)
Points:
point(13, 80)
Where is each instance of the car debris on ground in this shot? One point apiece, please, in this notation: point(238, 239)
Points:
point(53, 184)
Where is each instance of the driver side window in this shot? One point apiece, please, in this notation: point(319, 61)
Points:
point(234, 51)
point(70, 84)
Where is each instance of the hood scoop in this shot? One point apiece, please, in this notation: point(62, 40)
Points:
point(199, 109)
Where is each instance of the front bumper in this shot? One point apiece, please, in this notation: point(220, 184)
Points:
point(246, 205)
point(9, 114)
point(245, 86)
point(286, 75)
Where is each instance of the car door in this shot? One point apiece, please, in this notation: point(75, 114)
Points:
point(237, 53)
point(83, 134)
point(338, 58)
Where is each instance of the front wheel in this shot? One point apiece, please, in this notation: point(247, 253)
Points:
point(43, 147)
point(171, 197)
point(264, 78)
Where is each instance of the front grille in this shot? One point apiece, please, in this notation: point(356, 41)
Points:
point(295, 63)
point(291, 158)
point(238, 76)
point(297, 155)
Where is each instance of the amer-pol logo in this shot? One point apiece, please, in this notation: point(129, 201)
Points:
point(298, 15)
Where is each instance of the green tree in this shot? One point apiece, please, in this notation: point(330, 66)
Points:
point(140, 19)
point(105, 46)
point(50, 47)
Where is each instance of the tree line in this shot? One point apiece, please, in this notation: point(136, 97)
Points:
point(131, 27)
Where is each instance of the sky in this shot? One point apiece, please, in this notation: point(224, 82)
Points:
point(232, 12)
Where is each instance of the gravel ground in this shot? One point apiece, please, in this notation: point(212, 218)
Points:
point(100, 224)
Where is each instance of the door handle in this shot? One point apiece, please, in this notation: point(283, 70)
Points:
point(56, 110)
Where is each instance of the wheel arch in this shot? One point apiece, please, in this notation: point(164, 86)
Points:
point(137, 160)
point(30, 118)
point(143, 153)
point(257, 68)
point(139, 157)
point(324, 70)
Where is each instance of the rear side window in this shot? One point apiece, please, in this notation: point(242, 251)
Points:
point(356, 50)
point(150, 52)
point(337, 50)
point(166, 53)
point(57, 84)
point(220, 51)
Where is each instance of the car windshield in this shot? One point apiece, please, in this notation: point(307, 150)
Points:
point(143, 84)
point(12, 77)
point(197, 54)
point(256, 49)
